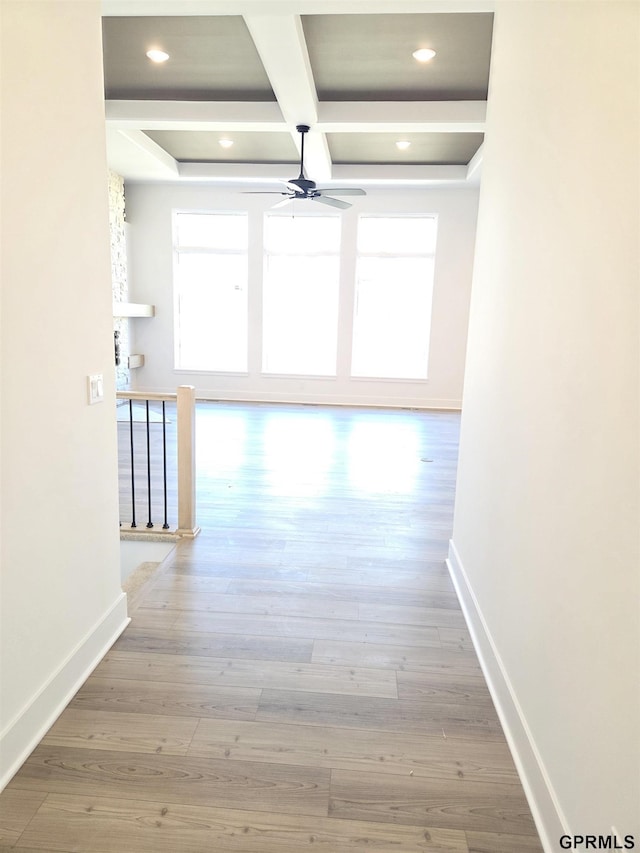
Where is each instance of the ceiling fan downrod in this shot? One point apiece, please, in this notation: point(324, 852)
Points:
point(302, 129)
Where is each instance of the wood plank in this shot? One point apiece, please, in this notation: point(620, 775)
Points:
point(261, 550)
point(178, 700)
point(296, 626)
point(371, 557)
point(194, 670)
point(120, 731)
point(113, 825)
point(260, 605)
point(418, 801)
point(492, 842)
point(402, 658)
point(233, 568)
point(429, 555)
point(354, 749)
point(16, 810)
point(157, 620)
point(291, 649)
point(385, 715)
point(429, 566)
point(445, 687)
point(237, 541)
point(192, 583)
point(173, 779)
point(456, 638)
point(301, 540)
point(242, 518)
point(342, 591)
point(391, 575)
point(412, 615)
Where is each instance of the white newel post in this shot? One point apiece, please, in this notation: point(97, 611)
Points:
point(186, 408)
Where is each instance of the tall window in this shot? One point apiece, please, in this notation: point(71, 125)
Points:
point(394, 285)
point(211, 291)
point(300, 294)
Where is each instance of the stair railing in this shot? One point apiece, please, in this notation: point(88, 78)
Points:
point(151, 455)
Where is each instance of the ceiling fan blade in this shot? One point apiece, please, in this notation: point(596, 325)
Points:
point(263, 192)
point(281, 203)
point(332, 202)
point(342, 190)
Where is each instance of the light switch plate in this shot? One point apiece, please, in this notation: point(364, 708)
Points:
point(95, 387)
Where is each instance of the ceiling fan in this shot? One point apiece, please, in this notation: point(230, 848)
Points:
point(304, 188)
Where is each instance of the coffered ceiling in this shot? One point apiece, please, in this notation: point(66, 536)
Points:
point(249, 71)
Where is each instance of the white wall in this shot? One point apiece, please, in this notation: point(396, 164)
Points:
point(545, 541)
point(61, 602)
point(149, 215)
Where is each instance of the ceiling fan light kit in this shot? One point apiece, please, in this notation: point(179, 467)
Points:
point(304, 188)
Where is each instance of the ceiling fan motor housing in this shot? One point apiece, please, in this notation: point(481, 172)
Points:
point(304, 184)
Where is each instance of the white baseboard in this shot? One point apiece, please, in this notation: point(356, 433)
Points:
point(312, 391)
point(545, 808)
point(26, 730)
point(315, 399)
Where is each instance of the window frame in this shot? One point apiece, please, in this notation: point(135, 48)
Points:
point(430, 255)
point(177, 250)
point(337, 254)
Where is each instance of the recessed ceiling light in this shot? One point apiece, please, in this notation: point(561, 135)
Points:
point(225, 143)
point(423, 54)
point(157, 55)
point(402, 144)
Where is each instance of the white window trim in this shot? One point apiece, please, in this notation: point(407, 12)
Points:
point(179, 250)
point(431, 255)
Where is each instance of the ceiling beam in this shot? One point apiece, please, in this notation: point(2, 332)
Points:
point(255, 174)
point(474, 166)
point(290, 7)
point(195, 115)
point(397, 175)
point(233, 174)
point(331, 117)
point(132, 154)
point(402, 116)
point(281, 45)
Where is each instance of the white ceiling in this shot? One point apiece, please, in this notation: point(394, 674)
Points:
point(253, 69)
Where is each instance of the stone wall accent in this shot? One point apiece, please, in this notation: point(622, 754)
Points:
point(119, 281)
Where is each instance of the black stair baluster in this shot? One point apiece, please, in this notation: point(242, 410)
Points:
point(149, 523)
point(133, 476)
point(165, 526)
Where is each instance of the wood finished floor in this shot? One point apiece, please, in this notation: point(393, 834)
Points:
point(298, 677)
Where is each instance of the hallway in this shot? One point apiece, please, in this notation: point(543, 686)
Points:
point(300, 675)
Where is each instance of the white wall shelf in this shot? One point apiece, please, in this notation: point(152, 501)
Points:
point(133, 309)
